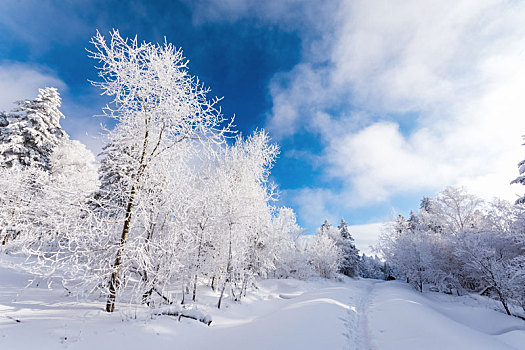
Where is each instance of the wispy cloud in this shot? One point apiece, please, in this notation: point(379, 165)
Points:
point(438, 87)
point(406, 96)
point(40, 24)
point(22, 81)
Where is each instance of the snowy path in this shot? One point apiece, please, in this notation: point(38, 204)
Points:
point(363, 315)
point(282, 314)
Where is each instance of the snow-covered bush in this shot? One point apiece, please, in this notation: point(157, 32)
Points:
point(74, 167)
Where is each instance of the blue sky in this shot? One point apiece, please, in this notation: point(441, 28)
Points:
point(374, 104)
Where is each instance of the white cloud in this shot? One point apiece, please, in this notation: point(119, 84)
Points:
point(366, 236)
point(439, 90)
point(22, 81)
point(406, 96)
point(313, 206)
point(290, 15)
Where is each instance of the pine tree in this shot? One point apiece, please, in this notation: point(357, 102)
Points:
point(326, 228)
point(373, 267)
point(117, 166)
point(29, 134)
point(350, 257)
point(521, 178)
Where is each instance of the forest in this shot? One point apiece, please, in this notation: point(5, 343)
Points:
point(178, 201)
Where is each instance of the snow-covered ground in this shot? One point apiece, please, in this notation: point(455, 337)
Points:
point(281, 314)
point(398, 317)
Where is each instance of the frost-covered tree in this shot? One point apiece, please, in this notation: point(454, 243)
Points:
point(159, 107)
point(20, 194)
point(350, 254)
point(456, 243)
point(289, 255)
point(325, 255)
point(245, 209)
point(457, 209)
point(373, 267)
point(521, 178)
point(407, 250)
point(493, 255)
point(74, 167)
point(115, 172)
point(29, 134)
point(327, 229)
point(51, 173)
point(488, 258)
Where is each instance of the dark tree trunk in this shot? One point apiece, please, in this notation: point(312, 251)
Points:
point(503, 301)
point(228, 269)
point(115, 275)
point(198, 264)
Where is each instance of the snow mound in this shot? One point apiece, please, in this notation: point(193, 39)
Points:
point(401, 318)
point(187, 312)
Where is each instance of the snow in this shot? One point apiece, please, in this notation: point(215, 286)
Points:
point(401, 318)
point(280, 314)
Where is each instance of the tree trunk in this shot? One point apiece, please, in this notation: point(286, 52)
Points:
point(198, 264)
point(228, 269)
point(503, 301)
point(114, 280)
point(194, 296)
point(222, 293)
point(115, 275)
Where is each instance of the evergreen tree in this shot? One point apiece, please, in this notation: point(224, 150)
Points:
point(350, 254)
point(117, 166)
point(326, 228)
point(373, 267)
point(426, 204)
point(521, 178)
point(29, 134)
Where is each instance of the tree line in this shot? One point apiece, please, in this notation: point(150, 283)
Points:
point(177, 202)
point(457, 243)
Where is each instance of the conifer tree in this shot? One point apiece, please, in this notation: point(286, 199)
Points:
point(521, 178)
point(29, 134)
point(350, 254)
